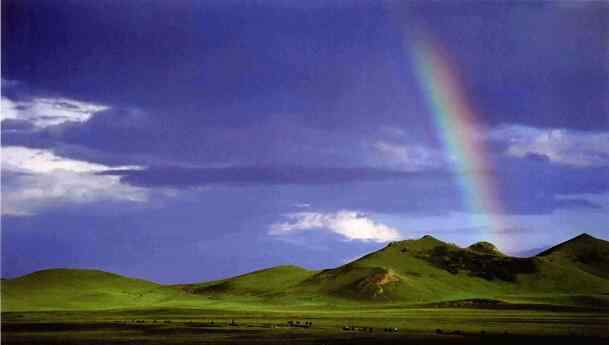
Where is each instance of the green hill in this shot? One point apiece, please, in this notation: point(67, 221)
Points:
point(79, 289)
point(263, 283)
point(586, 252)
point(428, 269)
point(484, 248)
point(425, 270)
point(407, 272)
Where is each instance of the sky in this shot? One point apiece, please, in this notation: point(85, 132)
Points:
point(188, 141)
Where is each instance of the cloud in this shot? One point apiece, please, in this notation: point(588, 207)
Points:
point(170, 176)
point(39, 161)
point(408, 157)
point(599, 200)
point(562, 146)
point(33, 179)
point(351, 225)
point(531, 185)
point(43, 112)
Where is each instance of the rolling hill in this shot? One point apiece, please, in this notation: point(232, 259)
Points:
point(68, 289)
point(428, 269)
point(586, 252)
point(406, 272)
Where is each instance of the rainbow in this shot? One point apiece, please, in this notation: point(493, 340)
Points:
point(460, 132)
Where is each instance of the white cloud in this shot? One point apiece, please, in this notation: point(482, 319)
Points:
point(37, 178)
point(40, 161)
point(351, 225)
point(407, 157)
point(44, 112)
point(569, 147)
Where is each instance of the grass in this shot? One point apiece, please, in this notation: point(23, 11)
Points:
point(193, 326)
point(418, 286)
point(407, 272)
point(69, 289)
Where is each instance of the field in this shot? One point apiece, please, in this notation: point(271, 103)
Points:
point(422, 292)
point(229, 324)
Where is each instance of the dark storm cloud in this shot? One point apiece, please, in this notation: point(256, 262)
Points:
point(207, 77)
point(532, 185)
point(255, 175)
point(524, 186)
point(282, 153)
point(537, 63)
point(199, 59)
point(132, 136)
point(16, 125)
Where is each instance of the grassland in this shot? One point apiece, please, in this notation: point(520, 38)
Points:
point(270, 325)
point(430, 291)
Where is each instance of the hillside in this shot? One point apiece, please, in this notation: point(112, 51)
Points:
point(588, 253)
point(421, 270)
point(79, 289)
point(263, 283)
point(411, 271)
point(428, 269)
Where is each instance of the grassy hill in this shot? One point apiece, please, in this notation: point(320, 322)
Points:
point(80, 289)
point(428, 269)
point(406, 272)
point(586, 252)
point(263, 283)
point(413, 270)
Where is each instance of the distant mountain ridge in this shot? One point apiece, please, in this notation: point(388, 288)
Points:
point(412, 271)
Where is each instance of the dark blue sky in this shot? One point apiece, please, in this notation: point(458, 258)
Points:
point(184, 141)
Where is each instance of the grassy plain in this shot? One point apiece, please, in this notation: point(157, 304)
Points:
point(425, 291)
point(241, 323)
